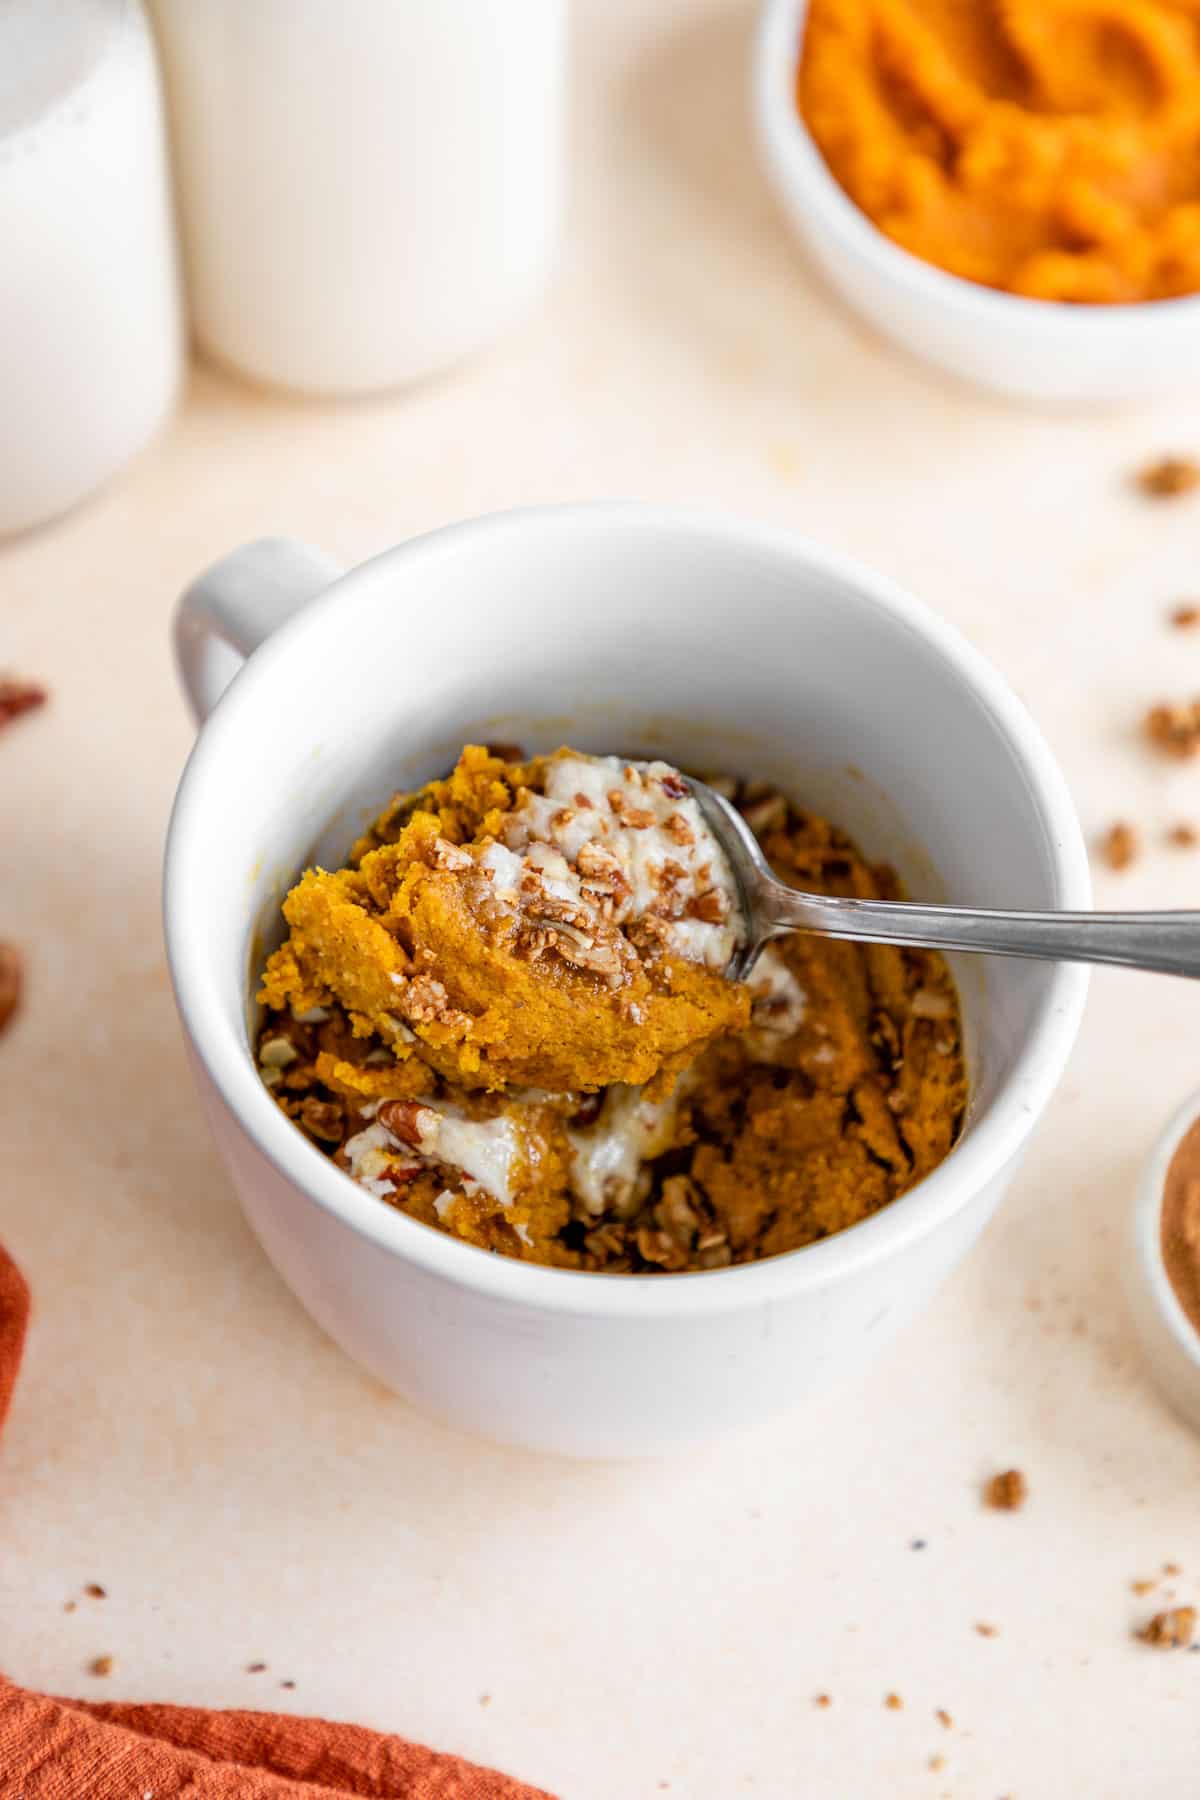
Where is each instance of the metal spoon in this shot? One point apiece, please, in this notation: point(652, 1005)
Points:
point(1168, 942)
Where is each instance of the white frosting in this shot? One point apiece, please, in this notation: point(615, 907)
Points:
point(780, 1004)
point(666, 853)
point(607, 1156)
point(486, 1150)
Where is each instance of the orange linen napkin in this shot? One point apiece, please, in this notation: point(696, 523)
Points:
point(116, 1750)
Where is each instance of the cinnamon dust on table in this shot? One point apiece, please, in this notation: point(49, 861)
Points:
point(1167, 477)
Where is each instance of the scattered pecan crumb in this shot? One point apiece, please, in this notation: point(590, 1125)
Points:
point(1184, 837)
point(1184, 617)
point(823, 1700)
point(287, 1684)
point(69, 1605)
point(1168, 477)
point(943, 1718)
point(893, 1702)
point(987, 1630)
point(255, 1668)
point(937, 1762)
point(1143, 1587)
point(17, 697)
point(1172, 1569)
point(1119, 845)
point(485, 1699)
point(1007, 1491)
point(100, 1665)
point(1174, 727)
point(12, 971)
point(1171, 1630)
point(95, 1591)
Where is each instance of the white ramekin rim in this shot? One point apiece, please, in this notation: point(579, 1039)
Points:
point(1147, 1231)
point(799, 170)
point(986, 1150)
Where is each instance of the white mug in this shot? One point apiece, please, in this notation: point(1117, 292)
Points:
point(714, 643)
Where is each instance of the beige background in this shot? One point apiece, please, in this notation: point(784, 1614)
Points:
point(184, 1435)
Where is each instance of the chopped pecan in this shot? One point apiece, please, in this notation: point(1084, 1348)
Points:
point(1174, 727)
point(1172, 1630)
point(1007, 1491)
point(450, 856)
point(12, 971)
point(322, 1119)
point(17, 697)
point(409, 1121)
point(680, 830)
point(1168, 477)
point(673, 785)
point(708, 907)
point(424, 1001)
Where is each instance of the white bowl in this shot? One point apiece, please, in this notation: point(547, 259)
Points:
point(714, 642)
point(1169, 1339)
point(1027, 349)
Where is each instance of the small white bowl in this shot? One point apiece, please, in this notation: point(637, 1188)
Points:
point(1169, 1339)
point(1027, 349)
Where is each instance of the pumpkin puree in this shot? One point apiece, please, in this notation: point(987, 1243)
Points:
point(1049, 148)
point(809, 1098)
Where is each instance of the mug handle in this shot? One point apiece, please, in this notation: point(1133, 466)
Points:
point(227, 612)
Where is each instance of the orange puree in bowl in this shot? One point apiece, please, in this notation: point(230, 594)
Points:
point(1049, 148)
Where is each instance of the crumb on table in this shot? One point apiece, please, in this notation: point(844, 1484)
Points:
point(12, 976)
point(1173, 726)
point(1119, 845)
point(1183, 837)
point(17, 697)
point(1168, 476)
point(893, 1702)
point(100, 1665)
point(986, 1630)
point(1185, 616)
point(943, 1718)
point(1007, 1491)
point(95, 1591)
point(1171, 1630)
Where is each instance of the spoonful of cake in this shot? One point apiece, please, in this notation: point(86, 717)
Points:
point(766, 908)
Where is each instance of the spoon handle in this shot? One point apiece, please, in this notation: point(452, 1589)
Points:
point(1168, 942)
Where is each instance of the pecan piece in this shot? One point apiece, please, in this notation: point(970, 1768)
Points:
point(409, 1121)
point(17, 697)
point(12, 971)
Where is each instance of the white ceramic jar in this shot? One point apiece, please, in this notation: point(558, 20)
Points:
point(369, 190)
point(90, 327)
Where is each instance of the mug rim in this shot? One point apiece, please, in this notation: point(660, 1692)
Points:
point(982, 1154)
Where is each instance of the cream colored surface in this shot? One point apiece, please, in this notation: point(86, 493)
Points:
point(183, 1435)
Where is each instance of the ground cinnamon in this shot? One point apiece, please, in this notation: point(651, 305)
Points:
point(1181, 1224)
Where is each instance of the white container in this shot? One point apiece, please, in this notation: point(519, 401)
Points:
point(717, 643)
point(1026, 349)
point(90, 328)
point(369, 189)
point(1169, 1339)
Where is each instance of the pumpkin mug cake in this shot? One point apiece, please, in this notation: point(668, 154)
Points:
point(508, 1017)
